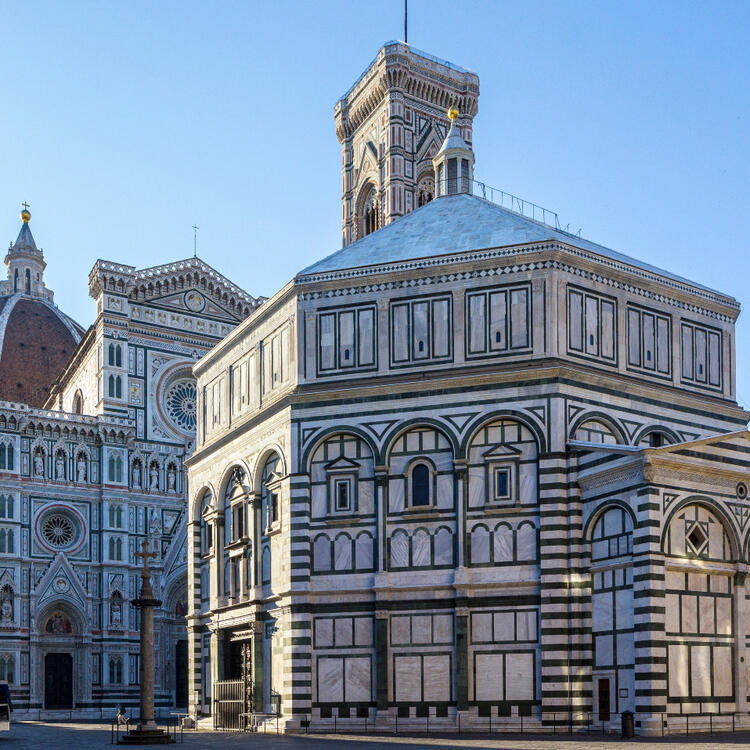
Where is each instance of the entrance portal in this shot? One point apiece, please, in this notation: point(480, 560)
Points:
point(181, 675)
point(58, 681)
point(603, 695)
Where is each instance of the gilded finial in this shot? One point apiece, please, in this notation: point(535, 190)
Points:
point(453, 113)
point(25, 215)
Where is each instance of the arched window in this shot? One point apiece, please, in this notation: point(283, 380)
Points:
point(369, 213)
point(118, 387)
point(115, 468)
point(6, 456)
point(6, 506)
point(425, 190)
point(78, 403)
point(269, 492)
point(595, 431)
point(7, 542)
point(420, 485)
point(7, 668)
point(115, 516)
point(15, 281)
point(115, 670)
point(207, 535)
point(111, 384)
point(28, 281)
point(118, 356)
point(111, 358)
point(115, 548)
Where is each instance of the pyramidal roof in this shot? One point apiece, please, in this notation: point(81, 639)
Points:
point(461, 223)
point(25, 240)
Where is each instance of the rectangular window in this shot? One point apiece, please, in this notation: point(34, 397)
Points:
point(421, 330)
point(701, 355)
point(592, 327)
point(649, 341)
point(342, 491)
point(346, 339)
point(502, 484)
point(498, 321)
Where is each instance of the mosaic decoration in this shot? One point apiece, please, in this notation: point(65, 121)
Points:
point(180, 401)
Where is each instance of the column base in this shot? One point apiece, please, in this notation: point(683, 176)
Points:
point(146, 737)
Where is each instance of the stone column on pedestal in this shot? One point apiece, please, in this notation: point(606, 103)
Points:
point(147, 732)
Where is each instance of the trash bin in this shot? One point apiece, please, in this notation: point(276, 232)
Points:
point(628, 725)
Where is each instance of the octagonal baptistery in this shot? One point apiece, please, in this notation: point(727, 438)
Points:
point(36, 338)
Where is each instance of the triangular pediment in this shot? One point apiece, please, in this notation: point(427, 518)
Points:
point(61, 582)
point(502, 451)
point(192, 286)
point(342, 464)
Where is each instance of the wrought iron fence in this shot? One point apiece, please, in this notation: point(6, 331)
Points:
point(229, 704)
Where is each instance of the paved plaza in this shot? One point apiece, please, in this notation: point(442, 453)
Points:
point(38, 736)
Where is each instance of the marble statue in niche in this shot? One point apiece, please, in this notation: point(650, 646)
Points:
point(115, 611)
point(6, 605)
point(154, 477)
point(38, 463)
point(171, 478)
point(137, 475)
point(81, 469)
point(59, 466)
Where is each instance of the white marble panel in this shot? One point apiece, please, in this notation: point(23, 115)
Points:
point(505, 631)
point(408, 678)
point(526, 626)
point(519, 676)
point(722, 670)
point(421, 629)
point(342, 547)
point(330, 680)
point(443, 547)
point(480, 545)
point(527, 477)
point(395, 495)
point(481, 627)
point(421, 549)
point(700, 670)
point(706, 614)
point(488, 677)
point(445, 491)
point(720, 584)
point(319, 497)
point(678, 671)
point(400, 629)
point(399, 550)
point(412, 441)
point(317, 469)
point(724, 616)
point(526, 542)
point(323, 632)
point(689, 614)
point(344, 631)
point(363, 631)
point(437, 677)
point(366, 496)
point(442, 629)
point(624, 608)
point(625, 649)
point(697, 582)
point(601, 605)
point(715, 540)
point(363, 553)
point(603, 650)
point(503, 543)
point(322, 553)
point(358, 679)
point(476, 487)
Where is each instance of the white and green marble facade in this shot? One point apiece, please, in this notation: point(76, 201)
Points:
point(576, 416)
point(95, 473)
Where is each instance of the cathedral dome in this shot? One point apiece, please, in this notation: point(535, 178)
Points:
point(36, 342)
point(36, 339)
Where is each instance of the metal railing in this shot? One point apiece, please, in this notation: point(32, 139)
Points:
point(229, 704)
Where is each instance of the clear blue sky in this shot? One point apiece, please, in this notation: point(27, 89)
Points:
point(125, 123)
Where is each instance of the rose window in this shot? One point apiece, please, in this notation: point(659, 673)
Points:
point(58, 530)
point(180, 401)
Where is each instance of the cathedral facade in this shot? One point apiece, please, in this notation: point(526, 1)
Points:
point(94, 427)
point(470, 467)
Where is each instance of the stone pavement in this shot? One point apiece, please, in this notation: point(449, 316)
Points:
point(72, 736)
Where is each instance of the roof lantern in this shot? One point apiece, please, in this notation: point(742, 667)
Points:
point(454, 162)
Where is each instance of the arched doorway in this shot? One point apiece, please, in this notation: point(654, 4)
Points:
point(181, 674)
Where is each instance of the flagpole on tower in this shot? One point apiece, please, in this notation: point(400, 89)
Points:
point(406, 19)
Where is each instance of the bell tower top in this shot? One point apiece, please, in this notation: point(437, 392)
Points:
point(391, 124)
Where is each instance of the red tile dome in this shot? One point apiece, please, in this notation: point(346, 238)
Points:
point(36, 342)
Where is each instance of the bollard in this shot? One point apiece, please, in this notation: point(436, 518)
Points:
point(628, 725)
